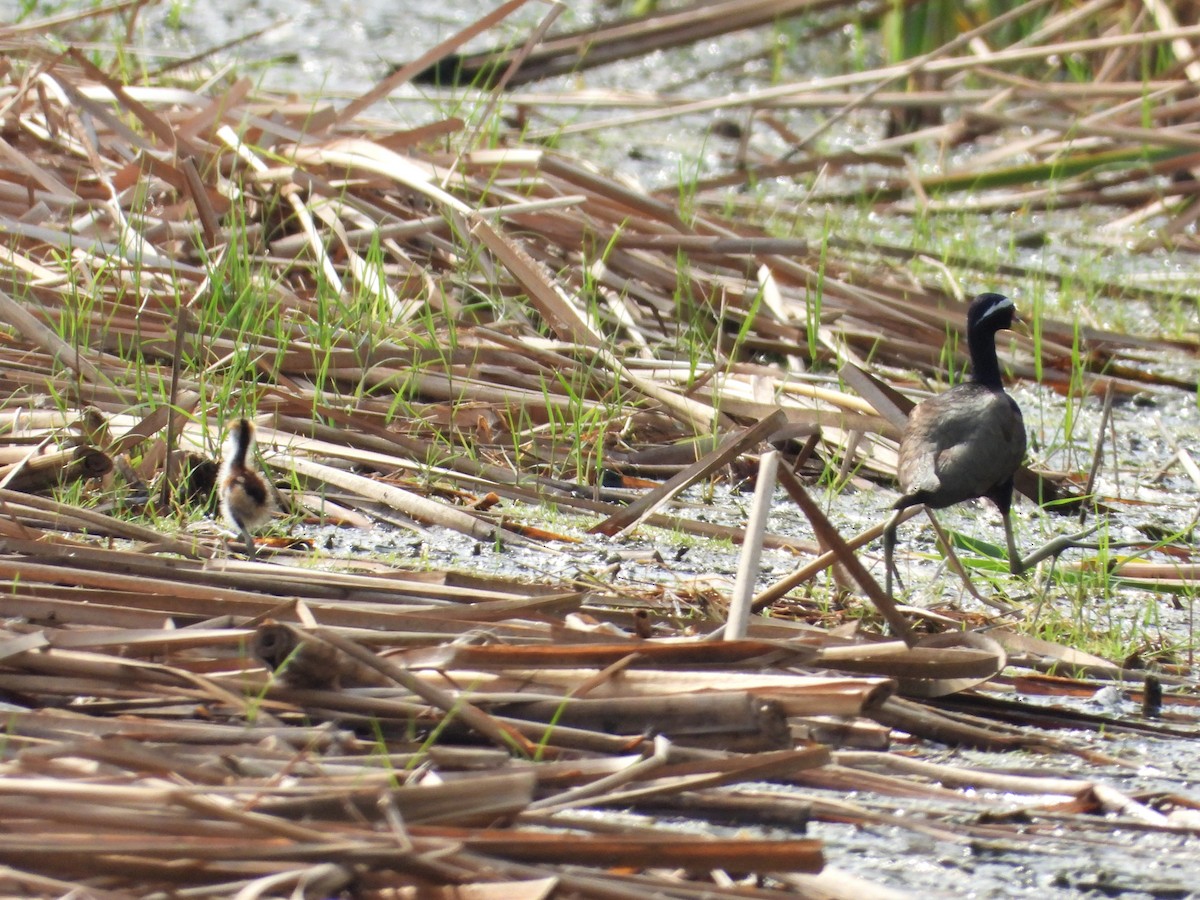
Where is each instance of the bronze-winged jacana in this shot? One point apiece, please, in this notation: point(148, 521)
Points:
point(245, 499)
point(969, 441)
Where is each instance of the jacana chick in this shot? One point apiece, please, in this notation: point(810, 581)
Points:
point(245, 498)
point(969, 441)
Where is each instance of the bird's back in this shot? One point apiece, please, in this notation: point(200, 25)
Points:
point(959, 445)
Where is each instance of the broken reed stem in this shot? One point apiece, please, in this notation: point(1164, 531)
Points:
point(830, 536)
point(808, 571)
point(747, 573)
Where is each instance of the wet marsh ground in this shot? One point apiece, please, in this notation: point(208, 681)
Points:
point(1068, 264)
point(1045, 260)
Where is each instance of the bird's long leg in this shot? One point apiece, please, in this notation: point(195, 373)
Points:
point(960, 570)
point(889, 546)
point(1017, 565)
point(249, 539)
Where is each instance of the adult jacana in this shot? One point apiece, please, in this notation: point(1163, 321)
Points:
point(245, 499)
point(969, 441)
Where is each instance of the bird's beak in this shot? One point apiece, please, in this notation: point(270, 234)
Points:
point(1021, 326)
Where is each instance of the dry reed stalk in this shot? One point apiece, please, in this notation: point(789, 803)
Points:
point(731, 448)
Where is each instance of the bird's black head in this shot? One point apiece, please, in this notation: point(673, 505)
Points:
point(990, 313)
point(987, 314)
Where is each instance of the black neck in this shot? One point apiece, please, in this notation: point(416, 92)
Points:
point(985, 368)
point(242, 435)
